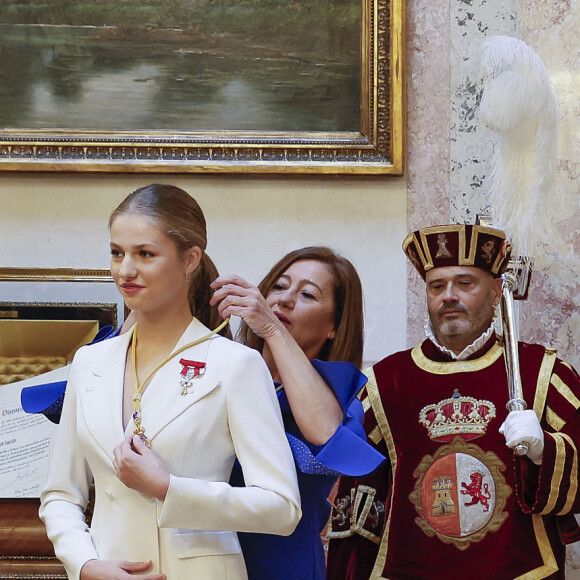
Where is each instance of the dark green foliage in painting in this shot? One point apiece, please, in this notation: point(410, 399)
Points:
point(298, 59)
point(303, 25)
point(287, 21)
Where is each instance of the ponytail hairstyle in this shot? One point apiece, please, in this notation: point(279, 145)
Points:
point(182, 220)
point(347, 344)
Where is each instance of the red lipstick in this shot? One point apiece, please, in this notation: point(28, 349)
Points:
point(131, 289)
point(282, 319)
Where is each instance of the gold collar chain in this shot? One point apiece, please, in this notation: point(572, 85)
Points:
point(139, 429)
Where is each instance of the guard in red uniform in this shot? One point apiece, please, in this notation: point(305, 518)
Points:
point(454, 501)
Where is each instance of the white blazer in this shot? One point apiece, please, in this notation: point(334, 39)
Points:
point(231, 410)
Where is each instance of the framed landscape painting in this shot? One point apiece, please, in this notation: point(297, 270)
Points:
point(305, 86)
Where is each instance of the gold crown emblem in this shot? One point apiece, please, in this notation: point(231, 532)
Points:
point(457, 415)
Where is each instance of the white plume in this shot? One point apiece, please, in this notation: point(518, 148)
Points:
point(519, 103)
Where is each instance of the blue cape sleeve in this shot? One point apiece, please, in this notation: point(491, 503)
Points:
point(347, 451)
point(48, 398)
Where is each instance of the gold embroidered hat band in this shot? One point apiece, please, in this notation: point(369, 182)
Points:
point(458, 245)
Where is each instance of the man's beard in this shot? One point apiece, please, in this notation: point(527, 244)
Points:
point(470, 325)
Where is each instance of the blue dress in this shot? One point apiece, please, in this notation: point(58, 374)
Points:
point(300, 556)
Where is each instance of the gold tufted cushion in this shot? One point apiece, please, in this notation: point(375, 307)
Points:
point(13, 369)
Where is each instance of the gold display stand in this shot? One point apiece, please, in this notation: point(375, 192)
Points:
point(25, 550)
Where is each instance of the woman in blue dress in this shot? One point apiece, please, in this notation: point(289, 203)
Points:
point(306, 319)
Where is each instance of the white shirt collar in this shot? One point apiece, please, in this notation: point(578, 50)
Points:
point(468, 350)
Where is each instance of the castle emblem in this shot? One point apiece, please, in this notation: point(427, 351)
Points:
point(442, 250)
point(443, 504)
point(458, 415)
point(460, 493)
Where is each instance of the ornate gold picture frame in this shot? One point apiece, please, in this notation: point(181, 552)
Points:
point(377, 147)
point(60, 293)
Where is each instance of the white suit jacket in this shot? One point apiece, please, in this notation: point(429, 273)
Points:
point(231, 410)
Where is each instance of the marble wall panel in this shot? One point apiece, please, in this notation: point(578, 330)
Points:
point(449, 151)
point(552, 315)
point(427, 133)
point(471, 21)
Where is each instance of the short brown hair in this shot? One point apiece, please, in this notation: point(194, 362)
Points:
point(347, 344)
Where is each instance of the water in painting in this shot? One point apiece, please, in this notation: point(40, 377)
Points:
point(180, 65)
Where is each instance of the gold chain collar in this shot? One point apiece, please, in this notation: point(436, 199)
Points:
point(139, 388)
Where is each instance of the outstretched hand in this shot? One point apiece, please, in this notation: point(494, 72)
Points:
point(140, 468)
point(234, 296)
point(117, 570)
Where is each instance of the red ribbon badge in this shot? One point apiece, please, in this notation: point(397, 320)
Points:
point(191, 365)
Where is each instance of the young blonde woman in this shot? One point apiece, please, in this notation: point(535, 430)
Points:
point(158, 415)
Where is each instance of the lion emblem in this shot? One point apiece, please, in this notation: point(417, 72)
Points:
point(478, 491)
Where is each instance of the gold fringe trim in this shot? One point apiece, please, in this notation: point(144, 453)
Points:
point(573, 485)
point(558, 473)
point(543, 383)
point(375, 435)
point(428, 263)
point(382, 422)
point(357, 524)
point(565, 391)
point(460, 366)
point(554, 420)
point(550, 566)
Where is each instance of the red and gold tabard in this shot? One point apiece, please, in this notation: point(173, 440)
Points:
point(453, 502)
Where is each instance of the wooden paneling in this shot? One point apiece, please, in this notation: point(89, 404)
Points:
point(25, 551)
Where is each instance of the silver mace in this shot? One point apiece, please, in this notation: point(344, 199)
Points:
point(515, 283)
